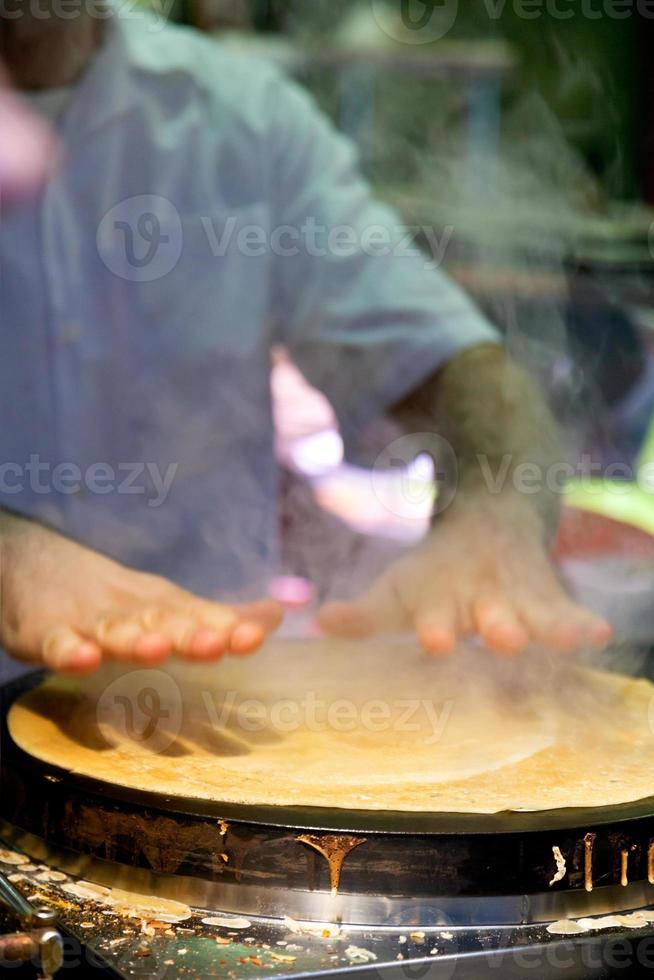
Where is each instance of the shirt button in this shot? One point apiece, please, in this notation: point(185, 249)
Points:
point(70, 333)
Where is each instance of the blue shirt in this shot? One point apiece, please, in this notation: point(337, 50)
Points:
point(203, 211)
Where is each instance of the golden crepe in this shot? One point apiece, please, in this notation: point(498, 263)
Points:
point(378, 726)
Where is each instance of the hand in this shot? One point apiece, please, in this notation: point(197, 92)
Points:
point(67, 607)
point(484, 569)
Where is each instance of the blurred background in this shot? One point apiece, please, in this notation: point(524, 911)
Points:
point(523, 136)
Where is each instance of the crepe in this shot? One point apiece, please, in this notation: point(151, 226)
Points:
point(357, 726)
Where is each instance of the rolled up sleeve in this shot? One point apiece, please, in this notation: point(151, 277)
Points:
point(365, 315)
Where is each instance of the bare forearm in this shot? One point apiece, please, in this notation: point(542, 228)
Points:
point(496, 421)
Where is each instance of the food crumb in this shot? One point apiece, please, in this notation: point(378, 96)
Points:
point(49, 876)
point(227, 922)
point(565, 927)
point(13, 857)
point(357, 955)
point(561, 869)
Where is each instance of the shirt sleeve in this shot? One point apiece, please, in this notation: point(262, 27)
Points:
point(365, 315)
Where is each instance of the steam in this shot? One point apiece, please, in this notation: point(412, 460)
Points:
point(517, 206)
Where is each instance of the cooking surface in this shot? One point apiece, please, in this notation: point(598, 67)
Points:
point(285, 860)
point(436, 901)
point(351, 726)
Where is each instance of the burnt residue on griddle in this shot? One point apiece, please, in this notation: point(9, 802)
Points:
point(166, 843)
point(589, 843)
point(334, 848)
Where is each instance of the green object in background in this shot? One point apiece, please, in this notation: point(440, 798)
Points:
point(618, 499)
point(622, 500)
point(646, 456)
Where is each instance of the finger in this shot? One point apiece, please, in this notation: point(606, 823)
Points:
point(564, 626)
point(215, 615)
point(600, 632)
point(438, 626)
point(65, 651)
point(192, 637)
point(267, 612)
point(377, 611)
point(499, 625)
point(244, 626)
point(126, 638)
point(246, 638)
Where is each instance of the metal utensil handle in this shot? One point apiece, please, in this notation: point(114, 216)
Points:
point(11, 898)
point(38, 941)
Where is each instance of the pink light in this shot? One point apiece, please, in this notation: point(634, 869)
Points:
point(292, 591)
point(26, 145)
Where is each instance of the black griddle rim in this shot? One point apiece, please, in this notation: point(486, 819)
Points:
point(42, 775)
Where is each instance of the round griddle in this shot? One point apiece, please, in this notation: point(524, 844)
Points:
point(36, 776)
point(404, 867)
point(252, 858)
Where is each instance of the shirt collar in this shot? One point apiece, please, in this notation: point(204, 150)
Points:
point(108, 89)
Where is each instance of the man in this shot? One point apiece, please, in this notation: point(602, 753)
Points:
point(186, 230)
